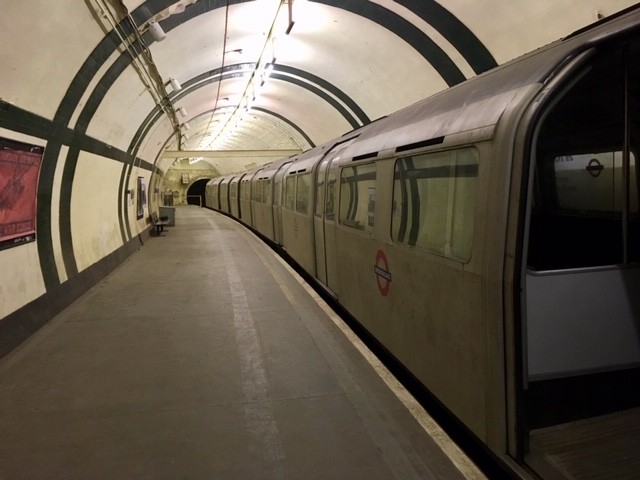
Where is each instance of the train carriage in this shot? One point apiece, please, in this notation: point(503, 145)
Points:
point(224, 193)
point(262, 203)
point(297, 209)
point(245, 187)
point(489, 238)
point(278, 202)
point(411, 234)
point(325, 213)
point(208, 193)
point(212, 194)
point(234, 195)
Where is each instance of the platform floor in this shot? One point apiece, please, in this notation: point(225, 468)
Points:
point(204, 357)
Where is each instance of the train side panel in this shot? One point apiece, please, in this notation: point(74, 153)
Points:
point(410, 281)
point(297, 219)
point(234, 199)
point(262, 205)
point(224, 194)
point(208, 193)
point(215, 194)
point(245, 186)
point(278, 200)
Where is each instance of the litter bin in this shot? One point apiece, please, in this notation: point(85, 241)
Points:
point(170, 213)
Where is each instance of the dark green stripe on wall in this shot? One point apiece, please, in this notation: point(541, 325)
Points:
point(55, 136)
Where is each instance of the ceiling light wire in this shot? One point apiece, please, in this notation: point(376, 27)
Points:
point(260, 63)
point(149, 74)
point(224, 52)
point(159, 82)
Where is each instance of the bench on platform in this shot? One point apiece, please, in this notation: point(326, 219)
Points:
point(158, 223)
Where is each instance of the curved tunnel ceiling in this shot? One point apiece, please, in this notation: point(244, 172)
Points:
point(314, 86)
point(338, 65)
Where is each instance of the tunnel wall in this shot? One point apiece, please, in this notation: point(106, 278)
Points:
point(79, 233)
point(81, 236)
point(64, 87)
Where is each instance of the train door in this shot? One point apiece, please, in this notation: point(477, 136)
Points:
point(318, 221)
point(277, 202)
point(244, 198)
point(256, 200)
point(581, 279)
point(324, 218)
point(234, 199)
point(224, 194)
point(329, 224)
point(217, 198)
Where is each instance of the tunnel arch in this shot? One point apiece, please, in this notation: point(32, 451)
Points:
point(196, 191)
point(413, 37)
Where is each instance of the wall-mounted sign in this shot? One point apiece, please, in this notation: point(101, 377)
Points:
point(142, 197)
point(19, 171)
point(185, 178)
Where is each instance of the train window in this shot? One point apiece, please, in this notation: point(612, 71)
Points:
point(290, 192)
point(585, 210)
point(303, 193)
point(257, 191)
point(434, 202)
point(593, 182)
point(245, 190)
point(358, 196)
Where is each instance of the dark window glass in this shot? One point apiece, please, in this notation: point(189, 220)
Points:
point(358, 196)
point(585, 210)
point(434, 198)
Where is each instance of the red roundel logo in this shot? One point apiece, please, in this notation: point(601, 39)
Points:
point(383, 276)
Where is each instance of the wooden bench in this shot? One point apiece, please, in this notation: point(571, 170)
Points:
point(158, 223)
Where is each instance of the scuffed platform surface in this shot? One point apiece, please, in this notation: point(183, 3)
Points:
point(203, 357)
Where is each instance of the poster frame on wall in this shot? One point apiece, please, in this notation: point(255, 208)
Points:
point(20, 164)
point(141, 197)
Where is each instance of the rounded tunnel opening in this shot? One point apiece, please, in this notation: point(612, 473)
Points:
point(195, 193)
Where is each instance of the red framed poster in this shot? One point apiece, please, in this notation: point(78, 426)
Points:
point(19, 172)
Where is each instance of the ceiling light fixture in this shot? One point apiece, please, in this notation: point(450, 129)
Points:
point(141, 58)
point(156, 31)
point(175, 84)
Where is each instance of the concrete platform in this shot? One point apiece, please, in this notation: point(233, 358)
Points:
point(204, 357)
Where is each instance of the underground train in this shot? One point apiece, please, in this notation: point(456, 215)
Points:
point(489, 238)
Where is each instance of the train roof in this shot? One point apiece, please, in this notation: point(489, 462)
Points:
point(478, 103)
point(304, 161)
point(271, 168)
point(249, 174)
point(228, 178)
